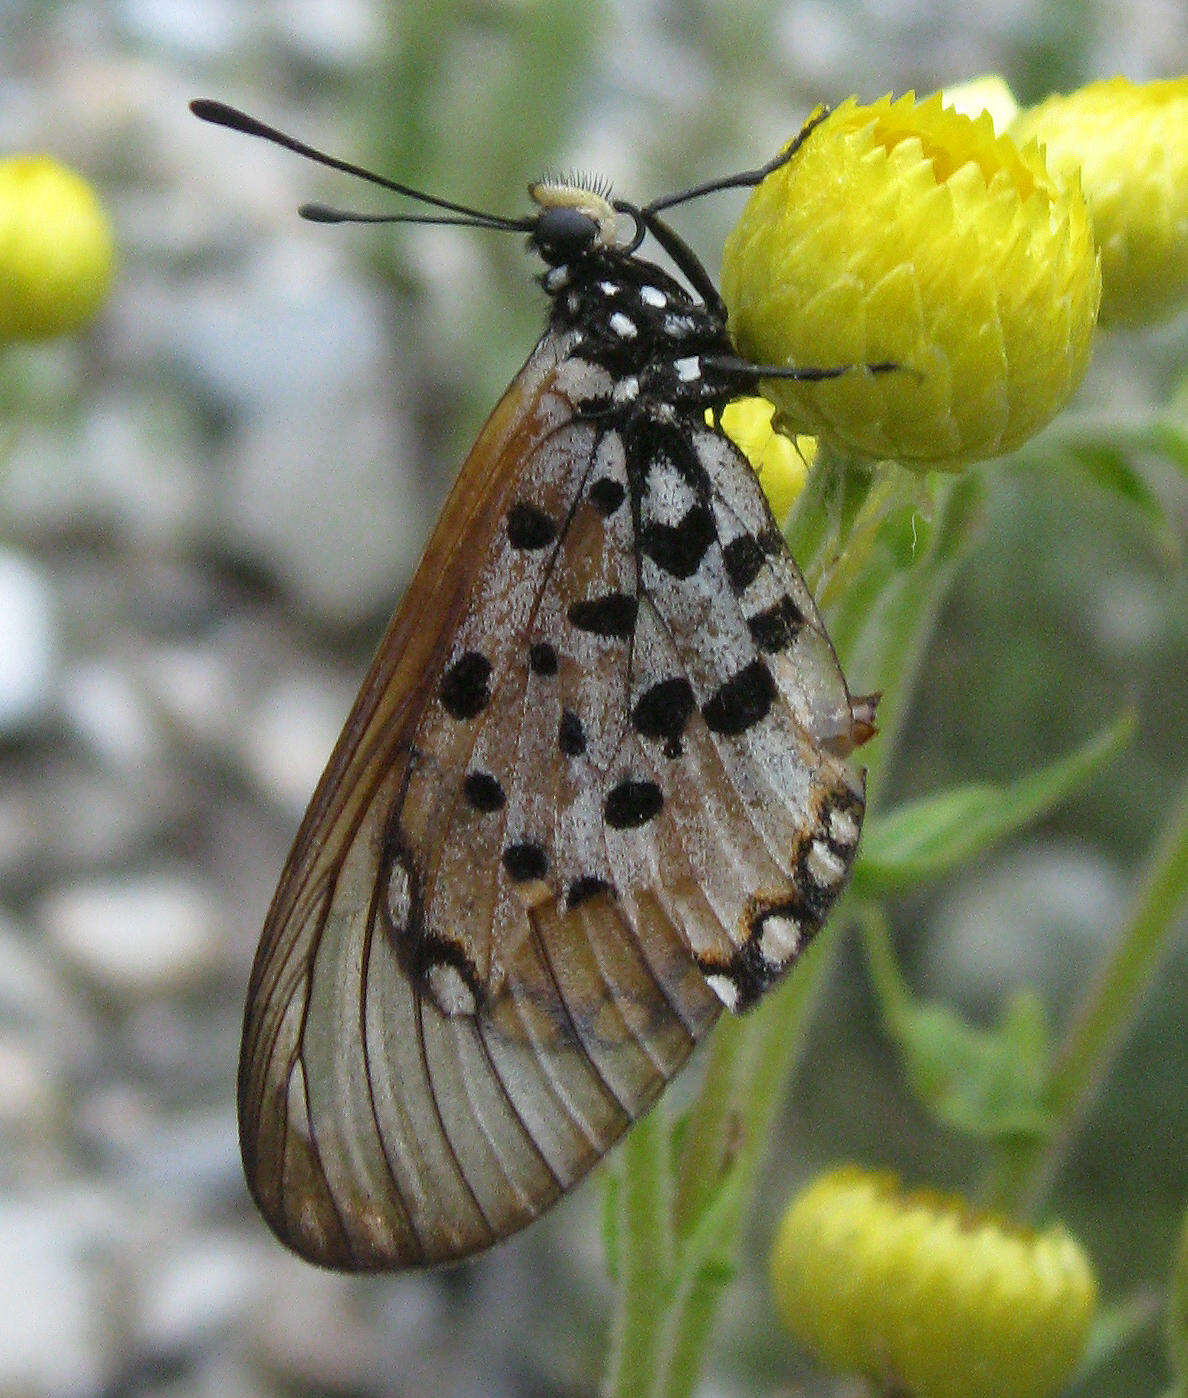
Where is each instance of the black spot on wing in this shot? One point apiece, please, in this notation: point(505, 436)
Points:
point(529, 527)
point(585, 887)
point(662, 711)
point(483, 792)
point(773, 628)
point(542, 659)
point(525, 861)
point(464, 691)
point(743, 558)
point(571, 736)
point(632, 803)
point(606, 495)
point(679, 548)
point(612, 615)
point(741, 701)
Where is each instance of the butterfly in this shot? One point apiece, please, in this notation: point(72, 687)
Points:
point(593, 790)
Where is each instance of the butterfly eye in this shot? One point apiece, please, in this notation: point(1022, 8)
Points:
point(561, 234)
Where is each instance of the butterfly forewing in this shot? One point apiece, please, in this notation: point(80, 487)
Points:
point(591, 791)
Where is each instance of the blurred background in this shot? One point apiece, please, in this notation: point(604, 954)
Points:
point(209, 505)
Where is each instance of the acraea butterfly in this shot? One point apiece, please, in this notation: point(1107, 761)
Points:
point(593, 789)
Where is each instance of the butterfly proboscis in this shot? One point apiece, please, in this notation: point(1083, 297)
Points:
point(594, 787)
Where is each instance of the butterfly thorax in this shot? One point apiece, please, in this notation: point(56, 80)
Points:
point(659, 347)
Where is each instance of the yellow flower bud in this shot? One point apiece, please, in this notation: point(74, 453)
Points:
point(986, 94)
point(780, 462)
point(1128, 142)
point(904, 232)
point(918, 1290)
point(57, 254)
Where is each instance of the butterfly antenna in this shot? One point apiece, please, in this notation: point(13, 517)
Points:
point(745, 179)
point(220, 114)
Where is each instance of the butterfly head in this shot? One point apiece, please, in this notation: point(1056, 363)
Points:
point(575, 221)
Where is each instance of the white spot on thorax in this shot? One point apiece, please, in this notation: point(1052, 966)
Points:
point(687, 370)
point(653, 296)
point(607, 288)
point(626, 389)
point(556, 278)
point(623, 326)
point(678, 324)
point(453, 995)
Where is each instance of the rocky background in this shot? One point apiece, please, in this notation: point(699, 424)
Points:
point(209, 504)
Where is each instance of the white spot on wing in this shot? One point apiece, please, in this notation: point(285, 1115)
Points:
point(688, 370)
point(725, 988)
point(779, 940)
point(653, 296)
point(399, 894)
point(623, 326)
point(823, 865)
point(843, 828)
point(453, 995)
point(626, 389)
point(580, 380)
point(669, 496)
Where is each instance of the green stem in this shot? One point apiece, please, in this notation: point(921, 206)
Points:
point(908, 631)
point(645, 1258)
point(710, 1127)
point(891, 991)
point(666, 1308)
point(770, 1041)
point(1024, 1176)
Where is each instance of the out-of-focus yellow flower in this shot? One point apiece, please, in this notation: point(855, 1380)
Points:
point(989, 93)
point(1128, 144)
point(57, 254)
point(904, 232)
point(780, 462)
point(919, 1290)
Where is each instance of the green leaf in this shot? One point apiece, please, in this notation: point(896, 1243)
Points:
point(1115, 1326)
point(1171, 438)
point(983, 1082)
point(925, 839)
point(1112, 470)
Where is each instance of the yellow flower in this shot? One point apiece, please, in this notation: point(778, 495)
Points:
point(906, 233)
point(1128, 142)
point(780, 462)
point(56, 249)
point(985, 94)
point(918, 1290)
